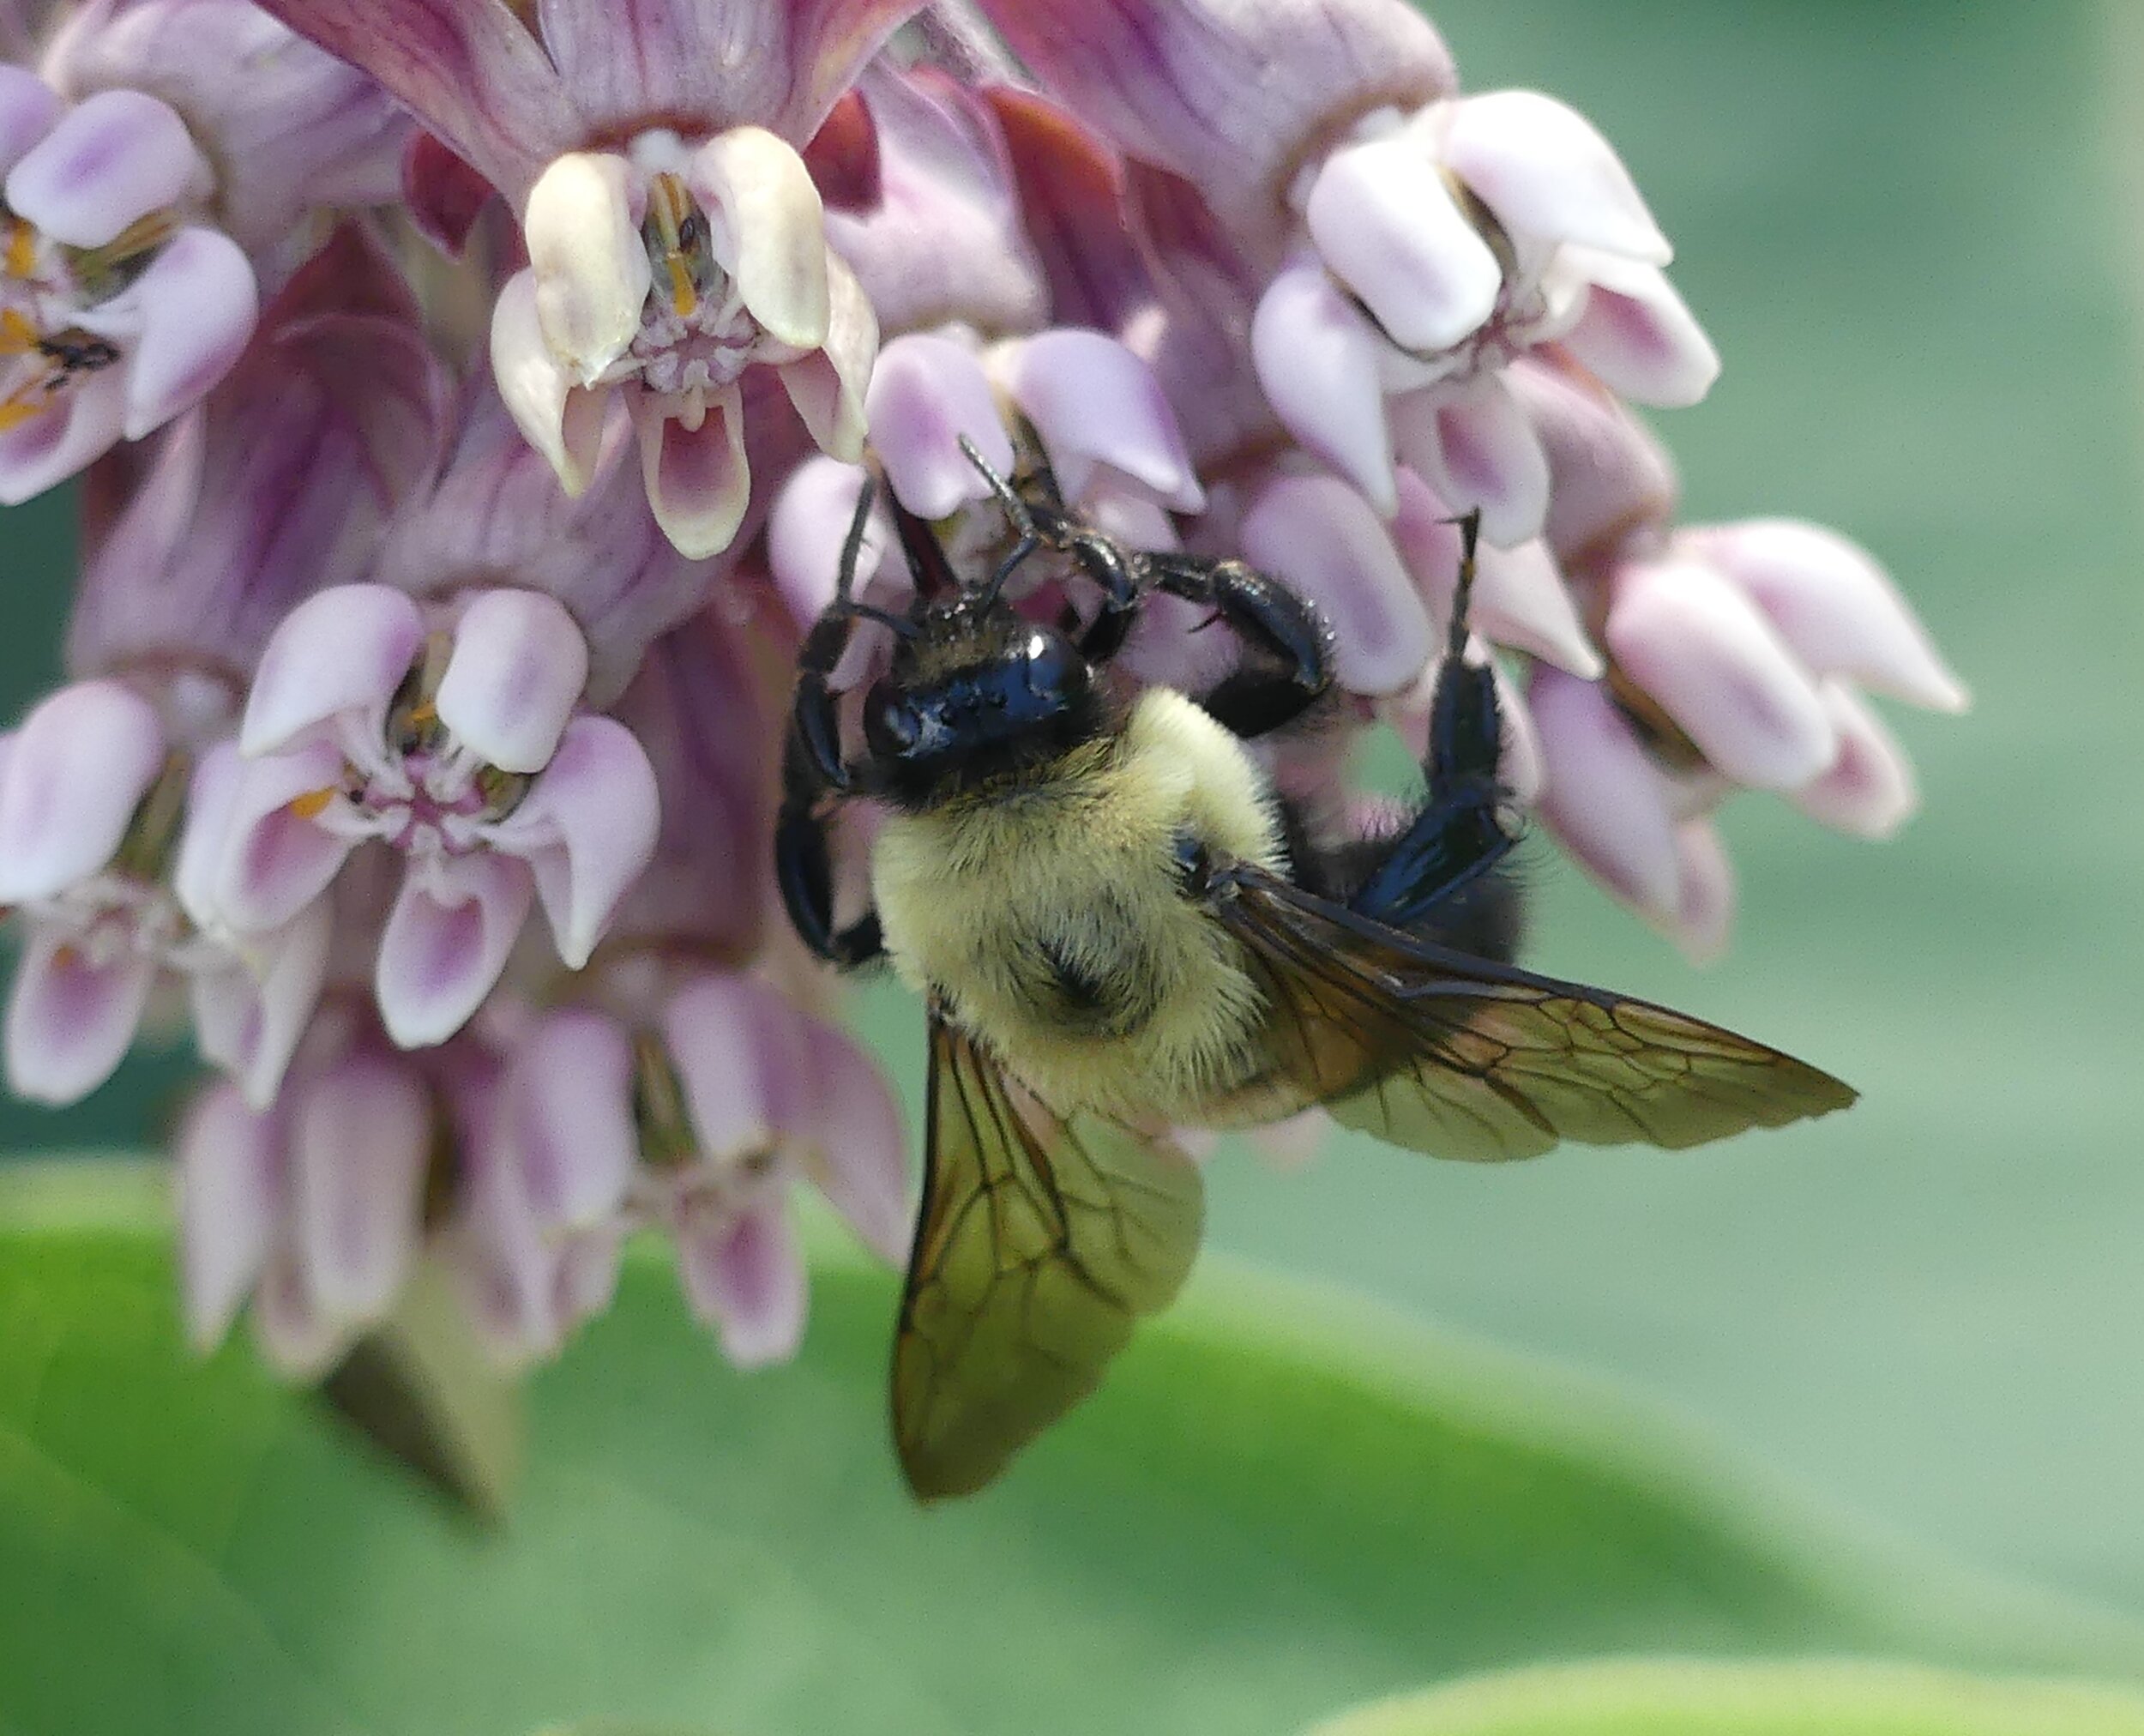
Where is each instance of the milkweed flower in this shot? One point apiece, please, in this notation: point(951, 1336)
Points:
point(474, 398)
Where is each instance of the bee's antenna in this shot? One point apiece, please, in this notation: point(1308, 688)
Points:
point(1469, 534)
point(852, 544)
point(1016, 514)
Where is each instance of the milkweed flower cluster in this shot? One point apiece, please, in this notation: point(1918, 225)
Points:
point(470, 399)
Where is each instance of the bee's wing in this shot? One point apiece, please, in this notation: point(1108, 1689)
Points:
point(1041, 1241)
point(1456, 1056)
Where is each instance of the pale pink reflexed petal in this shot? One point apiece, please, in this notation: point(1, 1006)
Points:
point(250, 1013)
point(1519, 598)
point(717, 1030)
point(569, 1095)
point(698, 486)
point(1699, 646)
point(50, 448)
point(444, 195)
point(1473, 445)
point(74, 771)
point(1835, 606)
point(1705, 901)
point(517, 669)
point(472, 73)
point(72, 1014)
point(806, 529)
point(586, 828)
point(199, 303)
point(276, 858)
point(27, 109)
point(446, 941)
point(1602, 794)
point(298, 1338)
point(1387, 226)
point(344, 649)
point(1868, 791)
point(1645, 343)
point(925, 393)
point(1608, 474)
point(1319, 536)
point(770, 230)
point(360, 1134)
point(781, 65)
point(1093, 402)
point(744, 1275)
point(1316, 359)
point(827, 385)
point(591, 269)
point(1544, 171)
point(230, 1162)
point(859, 1151)
point(562, 420)
point(1522, 768)
point(584, 1282)
point(504, 1277)
point(114, 157)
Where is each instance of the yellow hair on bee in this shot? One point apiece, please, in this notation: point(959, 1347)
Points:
point(1050, 915)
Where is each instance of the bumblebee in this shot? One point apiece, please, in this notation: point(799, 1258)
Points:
point(1119, 928)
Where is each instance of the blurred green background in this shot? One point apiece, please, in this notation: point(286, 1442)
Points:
point(1915, 233)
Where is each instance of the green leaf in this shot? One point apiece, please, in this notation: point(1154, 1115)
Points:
point(1679, 1697)
point(1280, 1504)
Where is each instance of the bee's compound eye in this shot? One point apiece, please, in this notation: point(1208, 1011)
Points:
point(1052, 668)
point(891, 722)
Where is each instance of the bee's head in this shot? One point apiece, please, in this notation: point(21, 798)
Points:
point(977, 694)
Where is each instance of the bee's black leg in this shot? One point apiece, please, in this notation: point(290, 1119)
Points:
point(1432, 874)
point(1269, 617)
point(814, 769)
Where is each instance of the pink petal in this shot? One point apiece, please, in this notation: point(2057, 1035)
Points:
point(1544, 171)
point(698, 481)
point(442, 194)
point(1705, 903)
point(586, 828)
point(51, 446)
point(230, 1160)
point(276, 858)
point(1645, 343)
point(1834, 606)
point(296, 1337)
point(517, 669)
point(827, 385)
point(446, 941)
point(1387, 226)
point(1869, 790)
point(720, 1031)
point(75, 772)
point(1230, 95)
point(744, 1275)
point(1473, 443)
point(212, 795)
point(1519, 598)
point(569, 1098)
point(781, 66)
point(250, 1015)
point(806, 529)
point(860, 1149)
point(199, 304)
point(28, 109)
point(114, 157)
point(345, 649)
point(360, 1135)
point(1319, 536)
point(1608, 475)
point(1316, 358)
point(1603, 796)
point(1700, 648)
point(71, 1016)
point(925, 393)
point(562, 419)
point(1093, 402)
point(470, 70)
